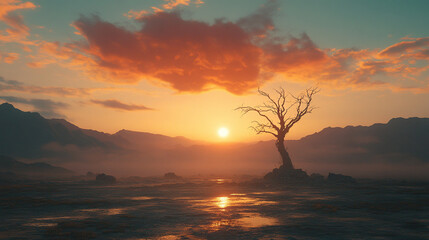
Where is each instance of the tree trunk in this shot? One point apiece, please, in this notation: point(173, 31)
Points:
point(287, 162)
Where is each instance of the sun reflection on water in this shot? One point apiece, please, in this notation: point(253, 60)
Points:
point(255, 220)
point(229, 217)
point(222, 202)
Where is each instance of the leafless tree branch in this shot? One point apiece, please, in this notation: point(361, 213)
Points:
point(277, 118)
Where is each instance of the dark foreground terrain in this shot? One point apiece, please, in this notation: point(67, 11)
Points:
point(213, 209)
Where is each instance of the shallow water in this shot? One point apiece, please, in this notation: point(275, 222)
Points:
point(213, 209)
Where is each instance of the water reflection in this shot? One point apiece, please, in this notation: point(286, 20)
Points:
point(220, 180)
point(236, 211)
point(244, 220)
point(236, 200)
point(253, 220)
point(41, 224)
point(241, 200)
point(168, 237)
point(222, 202)
point(51, 221)
point(103, 211)
point(140, 198)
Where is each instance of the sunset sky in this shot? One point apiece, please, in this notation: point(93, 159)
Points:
point(181, 67)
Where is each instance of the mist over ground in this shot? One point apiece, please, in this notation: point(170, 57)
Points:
point(397, 149)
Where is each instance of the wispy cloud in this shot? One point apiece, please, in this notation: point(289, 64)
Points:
point(45, 107)
point(9, 57)
point(9, 82)
point(174, 3)
point(18, 30)
point(17, 86)
point(413, 46)
point(115, 104)
point(135, 14)
point(168, 6)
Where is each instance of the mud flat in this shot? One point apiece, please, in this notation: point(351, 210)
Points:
point(213, 209)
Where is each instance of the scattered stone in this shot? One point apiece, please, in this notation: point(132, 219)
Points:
point(171, 175)
point(339, 178)
point(105, 179)
point(90, 176)
point(316, 177)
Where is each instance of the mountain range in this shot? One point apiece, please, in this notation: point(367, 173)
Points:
point(12, 169)
point(393, 149)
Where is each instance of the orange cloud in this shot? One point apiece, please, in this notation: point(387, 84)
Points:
point(115, 104)
point(170, 5)
point(406, 47)
point(9, 57)
point(295, 54)
point(422, 54)
point(135, 14)
point(189, 55)
point(194, 56)
point(17, 31)
point(174, 3)
point(397, 67)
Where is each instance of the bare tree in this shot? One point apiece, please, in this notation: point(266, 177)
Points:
point(279, 115)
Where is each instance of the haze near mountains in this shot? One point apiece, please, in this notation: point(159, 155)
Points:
point(394, 149)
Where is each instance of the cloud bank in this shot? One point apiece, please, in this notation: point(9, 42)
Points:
point(195, 56)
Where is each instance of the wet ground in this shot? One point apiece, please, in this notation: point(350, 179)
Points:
point(213, 210)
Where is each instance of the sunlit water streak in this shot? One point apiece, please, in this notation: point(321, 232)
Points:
point(51, 221)
point(104, 211)
point(231, 211)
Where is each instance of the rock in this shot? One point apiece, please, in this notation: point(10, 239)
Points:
point(6, 177)
point(339, 178)
point(316, 177)
point(90, 176)
point(282, 175)
point(105, 179)
point(171, 175)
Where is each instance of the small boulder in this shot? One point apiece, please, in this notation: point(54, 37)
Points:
point(316, 177)
point(105, 179)
point(339, 178)
point(282, 175)
point(171, 175)
point(90, 176)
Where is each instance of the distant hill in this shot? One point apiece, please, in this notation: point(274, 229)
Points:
point(401, 143)
point(19, 170)
point(398, 140)
point(23, 134)
point(144, 140)
point(26, 134)
point(396, 148)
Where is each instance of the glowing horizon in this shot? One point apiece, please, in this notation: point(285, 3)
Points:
point(180, 68)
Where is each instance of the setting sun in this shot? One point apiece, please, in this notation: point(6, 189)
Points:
point(223, 132)
point(214, 119)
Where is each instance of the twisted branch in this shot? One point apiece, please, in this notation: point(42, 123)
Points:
point(278, 109)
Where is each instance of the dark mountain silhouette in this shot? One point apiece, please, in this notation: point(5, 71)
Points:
point(23, 134)
point(396, 141)
point(399, 145)
point(396, 148)
point(29, 135)
point(12, 167)
point(144, 140)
